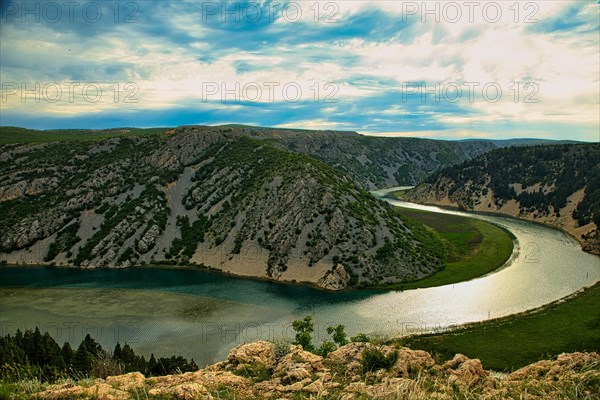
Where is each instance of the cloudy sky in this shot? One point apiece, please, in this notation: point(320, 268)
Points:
point(449, 70)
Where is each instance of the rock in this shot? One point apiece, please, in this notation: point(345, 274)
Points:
point(348, 353)
point(563, 367)
point(455, 362)
point(412, 361)
point(460, 377)
point(185, 391)
point(317, 387)
point(335, 279)
point(147, 241)
point(126, 382)
point(98, 391)
point(261, 352)
point(469, 373)
point(298, 365)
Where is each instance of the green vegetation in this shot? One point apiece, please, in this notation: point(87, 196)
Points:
point(517, 340)
point(397, 194)
point(374, 359)
point(562, 169)
point(304, 329)
point(11, 134)
point(66, 239)
point(474, 247)
point(33, 355)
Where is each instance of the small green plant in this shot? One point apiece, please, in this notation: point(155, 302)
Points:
point(255, 372)
point(338, 334)
point(281, 347)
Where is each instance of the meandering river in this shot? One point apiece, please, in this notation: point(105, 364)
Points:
point(201, 315)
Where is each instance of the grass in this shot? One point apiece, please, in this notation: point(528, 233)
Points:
point(474, 247)
point(398, 194)
point(514, 341)
point(11, 134)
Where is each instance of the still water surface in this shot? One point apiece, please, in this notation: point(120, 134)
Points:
point(200, 314)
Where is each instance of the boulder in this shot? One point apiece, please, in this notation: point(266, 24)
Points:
point(261, 352)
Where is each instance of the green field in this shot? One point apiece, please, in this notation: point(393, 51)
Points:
point(474, 247)
point(512, 342)
point(398, 194)
point(10, 134)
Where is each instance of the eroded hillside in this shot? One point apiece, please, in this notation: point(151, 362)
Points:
point(207, 197)
point(557, 185)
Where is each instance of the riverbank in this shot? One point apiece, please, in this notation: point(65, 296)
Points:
point(474, 247)
point(567, 325)
point(563, 224)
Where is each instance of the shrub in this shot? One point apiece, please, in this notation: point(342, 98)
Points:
point(303, 329)
point(374, 359)
point(281, 347)
point(360, 338)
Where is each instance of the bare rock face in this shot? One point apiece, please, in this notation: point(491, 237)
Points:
point(336, 279)
point(414, 376)
point(149, 239)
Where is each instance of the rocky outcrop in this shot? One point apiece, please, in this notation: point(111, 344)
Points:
point(253, 371)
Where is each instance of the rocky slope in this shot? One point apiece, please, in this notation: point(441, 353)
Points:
point(263, 371)
point(557, 185)
point(373, 162)
point(203, 196)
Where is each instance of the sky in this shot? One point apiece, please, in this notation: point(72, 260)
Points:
point(438, 69)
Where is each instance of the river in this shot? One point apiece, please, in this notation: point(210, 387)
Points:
point(201, 314)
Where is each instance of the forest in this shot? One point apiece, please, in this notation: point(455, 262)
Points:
point(35, 355)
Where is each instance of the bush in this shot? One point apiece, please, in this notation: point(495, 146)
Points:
point(326, 348)
point(360, 338)
point(281, 347)
point(338, 334)
point(104, 365)
point(374, 359)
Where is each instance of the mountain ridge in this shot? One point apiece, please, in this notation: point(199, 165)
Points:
point(558, 185)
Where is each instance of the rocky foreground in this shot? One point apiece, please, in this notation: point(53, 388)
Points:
point(262, 370)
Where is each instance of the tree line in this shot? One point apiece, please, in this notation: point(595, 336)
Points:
point(32, 354)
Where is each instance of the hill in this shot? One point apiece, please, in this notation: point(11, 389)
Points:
point(203, 196)
point(373, 162)
point(553, 184)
